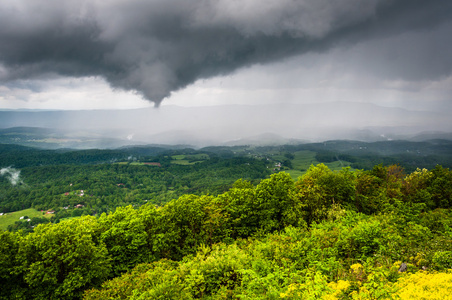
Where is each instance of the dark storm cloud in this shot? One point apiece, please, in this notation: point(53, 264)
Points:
point(156, 47)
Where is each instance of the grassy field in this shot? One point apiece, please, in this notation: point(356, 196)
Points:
point(200, 156)
point(12, 217)
point(189, 159)
point(300, 163)
point(304, 159)
point(294, 173)
point(178, 157)
point(136, 163)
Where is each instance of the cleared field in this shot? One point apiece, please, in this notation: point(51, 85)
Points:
point(190, 159)
point(200, 156)
point(294, 173)
point(153, 164)
point(300, 163)
point(303, 160)
point(11, 217)
point(178, 157)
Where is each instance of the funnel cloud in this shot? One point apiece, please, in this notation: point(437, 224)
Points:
point(157, 47)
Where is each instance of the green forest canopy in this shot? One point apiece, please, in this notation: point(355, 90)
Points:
point(329, 234)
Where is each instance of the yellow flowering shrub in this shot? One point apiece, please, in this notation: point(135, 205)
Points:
point(315, 287)
point(363, 283)
point(338, 289)
point(291, 291)
point(356, 268)
point(422, 285)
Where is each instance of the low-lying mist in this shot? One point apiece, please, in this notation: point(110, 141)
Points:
point(12, 175)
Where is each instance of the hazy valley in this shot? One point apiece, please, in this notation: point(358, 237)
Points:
point(224, 125)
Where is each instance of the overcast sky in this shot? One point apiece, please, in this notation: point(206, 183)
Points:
point(76, 54)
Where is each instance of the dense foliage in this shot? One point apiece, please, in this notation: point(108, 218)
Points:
point(330, 235)
point(102, 187)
